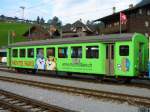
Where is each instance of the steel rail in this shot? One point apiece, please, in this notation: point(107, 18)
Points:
point(134, 84)
point(131, 99)
point(17, 103)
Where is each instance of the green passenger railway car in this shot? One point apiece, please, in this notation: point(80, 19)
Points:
point(118, 55)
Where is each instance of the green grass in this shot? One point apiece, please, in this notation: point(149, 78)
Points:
point(18, 28)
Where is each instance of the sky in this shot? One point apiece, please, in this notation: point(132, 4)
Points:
point(68, 11)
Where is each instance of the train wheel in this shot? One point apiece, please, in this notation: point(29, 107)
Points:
point(128, 80)
point(69, 74)
point(124, 80)
point(33, 71)
point(18, 70)
point(99, 78)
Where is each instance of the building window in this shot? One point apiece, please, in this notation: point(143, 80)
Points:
point(50, 52)
point(116, 24)
point(3, 54)
point(40, 53)
point(148, 12)
point(140, 11)
point(22, 53)
point(92, 52)
point(124, 50)
point(146, 34)
point(109, 26)
point(79, 29)
point(146, 24)
point(30, 52)
point(133, 15)
point(63, 52)
point(15, 52)
point(76, 52)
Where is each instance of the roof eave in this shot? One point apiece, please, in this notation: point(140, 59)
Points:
point(126, 10)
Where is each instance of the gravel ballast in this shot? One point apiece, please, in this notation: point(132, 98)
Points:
point(102, 87)
point(73, 102)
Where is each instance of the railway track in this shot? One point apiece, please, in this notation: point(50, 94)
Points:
point(16, 103)
point(90, 80)
point(131, 99)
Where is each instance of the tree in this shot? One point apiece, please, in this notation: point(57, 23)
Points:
point(42, 21)
point(89, 22)
point(55, 22)
point(16, 18)
point(38, 20)
point(2, 18)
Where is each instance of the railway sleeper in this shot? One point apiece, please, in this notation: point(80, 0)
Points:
point(14, 108)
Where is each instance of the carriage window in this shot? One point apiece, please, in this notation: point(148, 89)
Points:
point(15, 52)
point(124, 50)
point(22, 52)
point(3, 54)
point(76, 52)
point(31, 53)
point(40, 52)
point(50, 52)
point(92, 52)
point(63, 52)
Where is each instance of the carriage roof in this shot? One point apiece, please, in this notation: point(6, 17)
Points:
point(87, 39)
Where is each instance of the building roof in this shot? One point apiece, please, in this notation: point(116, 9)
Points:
point(35, 27)
point(143, 3)
point(67, 28)
point(77, 24)
point(104, 38)
point(116, 15)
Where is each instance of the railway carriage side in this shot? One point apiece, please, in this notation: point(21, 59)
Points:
point(140, 43)
point(120, 59)
point(3, 55)
point(110, 56)
point(149, 59)
point(132, 57)
point(81, 58)
point(21, 57)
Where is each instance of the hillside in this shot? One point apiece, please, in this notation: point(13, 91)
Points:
point(18, 28)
